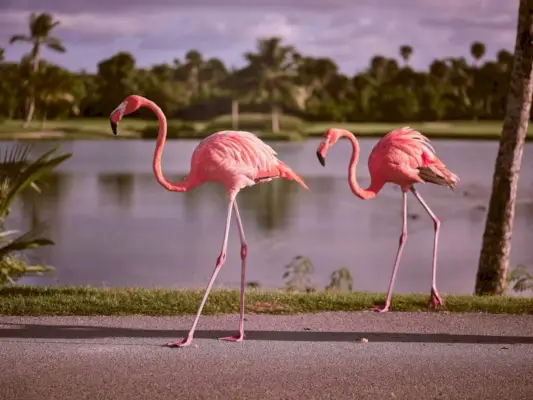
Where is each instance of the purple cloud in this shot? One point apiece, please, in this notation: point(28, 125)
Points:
point(348, 32)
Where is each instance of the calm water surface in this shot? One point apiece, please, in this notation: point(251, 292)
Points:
point(114, 225)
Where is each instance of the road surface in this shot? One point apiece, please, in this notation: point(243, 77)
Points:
point(408, 356)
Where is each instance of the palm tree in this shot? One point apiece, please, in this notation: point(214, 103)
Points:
point(477, 50)
point(273, 68)
point(494, 258)
point(55, 86)
point(314, 74)
point(193, 64)
point(240, 85)
point(212, 74)
point(406, 52)
point(41, 26)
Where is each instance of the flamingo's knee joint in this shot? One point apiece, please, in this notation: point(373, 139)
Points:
point(403, 237)
point(244, 251)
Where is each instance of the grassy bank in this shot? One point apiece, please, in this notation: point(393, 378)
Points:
point(293, 129)
point(32, 300)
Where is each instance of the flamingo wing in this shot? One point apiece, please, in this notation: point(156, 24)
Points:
point(238, 151)
point(240, 154)
point(410, 153)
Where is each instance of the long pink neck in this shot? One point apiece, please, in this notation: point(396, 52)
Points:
point(375, 185)
point(182, 186)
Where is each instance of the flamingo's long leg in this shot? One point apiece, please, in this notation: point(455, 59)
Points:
point(220, 261)
point(244, 250)
point(435, 300)
point(403, 238)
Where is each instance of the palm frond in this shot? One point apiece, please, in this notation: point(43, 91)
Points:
point(19, 173)
point(28, 240)
point(19, 38)
point(54, 43)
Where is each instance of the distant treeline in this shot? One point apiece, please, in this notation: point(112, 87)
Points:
point(276, 78)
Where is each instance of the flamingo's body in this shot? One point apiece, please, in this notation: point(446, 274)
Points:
point(236, 159)
point(403, 157)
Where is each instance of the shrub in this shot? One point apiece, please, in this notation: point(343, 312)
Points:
point(18, 173)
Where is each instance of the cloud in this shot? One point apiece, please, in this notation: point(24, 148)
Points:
point(106, 6)
point(505, 22)
point(347, 31)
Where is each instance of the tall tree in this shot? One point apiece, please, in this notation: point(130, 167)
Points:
point(477, 50)
point(116, 77)
point(193, 64)
point(406, 52)
point(41, 27)
point(240, 84)
point(1, 54)
point(55, 87)
point(274, 67)
point(494, 257)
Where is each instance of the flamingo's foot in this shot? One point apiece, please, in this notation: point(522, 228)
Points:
point(180, 343)
point(239, 338)
point(435, 301)
point(381, 309)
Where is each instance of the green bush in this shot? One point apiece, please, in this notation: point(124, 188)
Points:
point(13, 268)
point(175, 130)
point(17, 174)
point(256, 123)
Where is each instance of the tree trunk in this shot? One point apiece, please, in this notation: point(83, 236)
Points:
point(31, 100)
point(494, 258)
point(235, 114)
point(43, 118)
point(275, 119)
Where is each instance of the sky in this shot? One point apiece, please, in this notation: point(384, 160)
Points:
point(348, 31)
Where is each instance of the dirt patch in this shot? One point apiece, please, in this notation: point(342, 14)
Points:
point(265, 307)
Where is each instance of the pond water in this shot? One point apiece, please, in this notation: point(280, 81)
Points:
point(114, 225)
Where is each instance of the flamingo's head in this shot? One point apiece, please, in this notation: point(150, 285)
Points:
point(330, 138)
point(129, 105)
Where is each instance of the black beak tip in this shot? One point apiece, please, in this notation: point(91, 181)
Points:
point(113, 127)
point(321, 159)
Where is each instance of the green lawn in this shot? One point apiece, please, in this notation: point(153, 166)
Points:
point(82, 301)
point(292, 128)
point(441, 129)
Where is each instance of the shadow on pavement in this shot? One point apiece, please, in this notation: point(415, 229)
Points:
point(37, 331)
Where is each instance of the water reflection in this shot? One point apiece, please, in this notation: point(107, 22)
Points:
point(114, 223)
point(272, 203)
point(117, 188)
point(45, 210)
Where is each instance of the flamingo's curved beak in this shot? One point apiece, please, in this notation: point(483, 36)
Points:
point(117, 115)
point(321, 153)
point(114, 119)
point(321, 159)
point(113, 126)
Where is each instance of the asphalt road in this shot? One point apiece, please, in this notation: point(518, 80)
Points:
point(408, 356)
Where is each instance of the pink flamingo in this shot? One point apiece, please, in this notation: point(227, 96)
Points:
point(234, 158)
point(403, 157)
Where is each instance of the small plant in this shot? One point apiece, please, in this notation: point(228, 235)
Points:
point(521, 277)
point(297, 274)
point(17, 174)
point(253, 285)
point(298, 271)
point(13, 268)
point(341, 279)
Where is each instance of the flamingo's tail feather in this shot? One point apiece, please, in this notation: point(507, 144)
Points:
point(439, 175)
point(287, 173)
